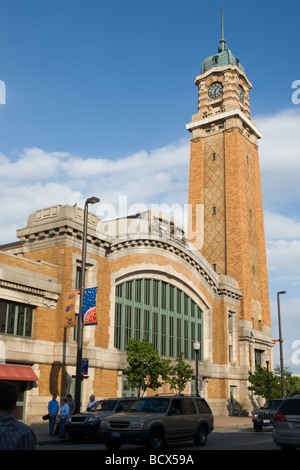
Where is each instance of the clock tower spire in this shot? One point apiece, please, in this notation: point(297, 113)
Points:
point(222, 44)
point(226, 214)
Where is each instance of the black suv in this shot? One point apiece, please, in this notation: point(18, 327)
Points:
point(87, 424)
point(265, 415)
point(154, 421)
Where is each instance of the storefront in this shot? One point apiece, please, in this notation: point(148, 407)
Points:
point(24, 378)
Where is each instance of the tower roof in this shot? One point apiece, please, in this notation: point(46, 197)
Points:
point(223, 57)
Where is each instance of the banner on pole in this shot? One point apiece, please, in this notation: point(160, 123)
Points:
point(89, 306)
point(69, 309)
point(84, 366)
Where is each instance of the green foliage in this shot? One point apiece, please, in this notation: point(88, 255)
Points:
point(292, 382)
point(180, 374)
point(146, 369)
point(259, 382)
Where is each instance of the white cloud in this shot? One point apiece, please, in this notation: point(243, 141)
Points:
point(280, 141)
point(17, 202)
point(284, 257)
point(289, 316)
point(169, 158)
point(33, 164)
point(283, 247)
point(280, 156)
point(39, 179)
point(280, 168)
point(279, 227)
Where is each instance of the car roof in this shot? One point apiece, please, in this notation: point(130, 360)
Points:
point(109, 399)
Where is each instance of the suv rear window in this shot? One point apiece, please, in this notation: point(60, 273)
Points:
point(290, 407)
point(202, 406)
point(188, 406)
point(272, 404)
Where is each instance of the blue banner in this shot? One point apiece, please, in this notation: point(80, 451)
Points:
point(89, 306)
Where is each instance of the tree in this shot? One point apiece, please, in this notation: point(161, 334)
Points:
point(291, 382)
point(259, 382)
point(180, 374)
point(146, 369)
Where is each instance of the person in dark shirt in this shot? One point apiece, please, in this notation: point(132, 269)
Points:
point(14, 435)
point(72, 404)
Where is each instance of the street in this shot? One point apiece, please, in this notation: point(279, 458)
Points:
point(239, 439)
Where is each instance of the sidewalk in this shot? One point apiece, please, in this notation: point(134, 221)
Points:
point(41, 430)
point(232, 422)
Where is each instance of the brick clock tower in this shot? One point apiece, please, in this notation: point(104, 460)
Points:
point(225, 199)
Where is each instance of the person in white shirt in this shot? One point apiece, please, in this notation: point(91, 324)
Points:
point(63, 414)
point(91, 402)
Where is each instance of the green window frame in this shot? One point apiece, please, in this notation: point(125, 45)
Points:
point(161, 312)
point(16, 319)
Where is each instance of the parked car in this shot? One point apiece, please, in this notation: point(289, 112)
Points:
point(286, 432)
point(265, 415)
point(154, 421)
point(86, 424)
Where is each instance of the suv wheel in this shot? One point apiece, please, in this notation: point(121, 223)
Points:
point(201, 436)
point(156, 440)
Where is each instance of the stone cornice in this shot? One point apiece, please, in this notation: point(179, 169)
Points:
point(21, 288)
point(221, 285)
point(222, 116)
point(38, 287)
point(221, 71)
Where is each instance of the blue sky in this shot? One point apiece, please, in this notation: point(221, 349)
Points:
point(98, 92)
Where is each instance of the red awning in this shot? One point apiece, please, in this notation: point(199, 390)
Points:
point(17, 372)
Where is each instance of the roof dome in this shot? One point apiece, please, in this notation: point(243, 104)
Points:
point(223, 57)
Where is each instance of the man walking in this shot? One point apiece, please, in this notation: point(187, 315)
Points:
point(53, 408)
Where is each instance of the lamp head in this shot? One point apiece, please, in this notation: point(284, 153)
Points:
point(267, 358)
point(92, 200)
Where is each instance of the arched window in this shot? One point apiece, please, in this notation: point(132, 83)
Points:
point(160, 312)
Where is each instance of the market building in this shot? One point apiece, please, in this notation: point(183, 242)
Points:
point(155, 280)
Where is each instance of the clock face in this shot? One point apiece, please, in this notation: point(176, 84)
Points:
point(215, 90)
point(241, 94)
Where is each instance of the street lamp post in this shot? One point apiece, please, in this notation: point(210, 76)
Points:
point(267, 359)
point(280, 346)
point(196, 347)
point(91, 200)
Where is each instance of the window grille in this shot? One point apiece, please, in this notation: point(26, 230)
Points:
point(160, 312)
